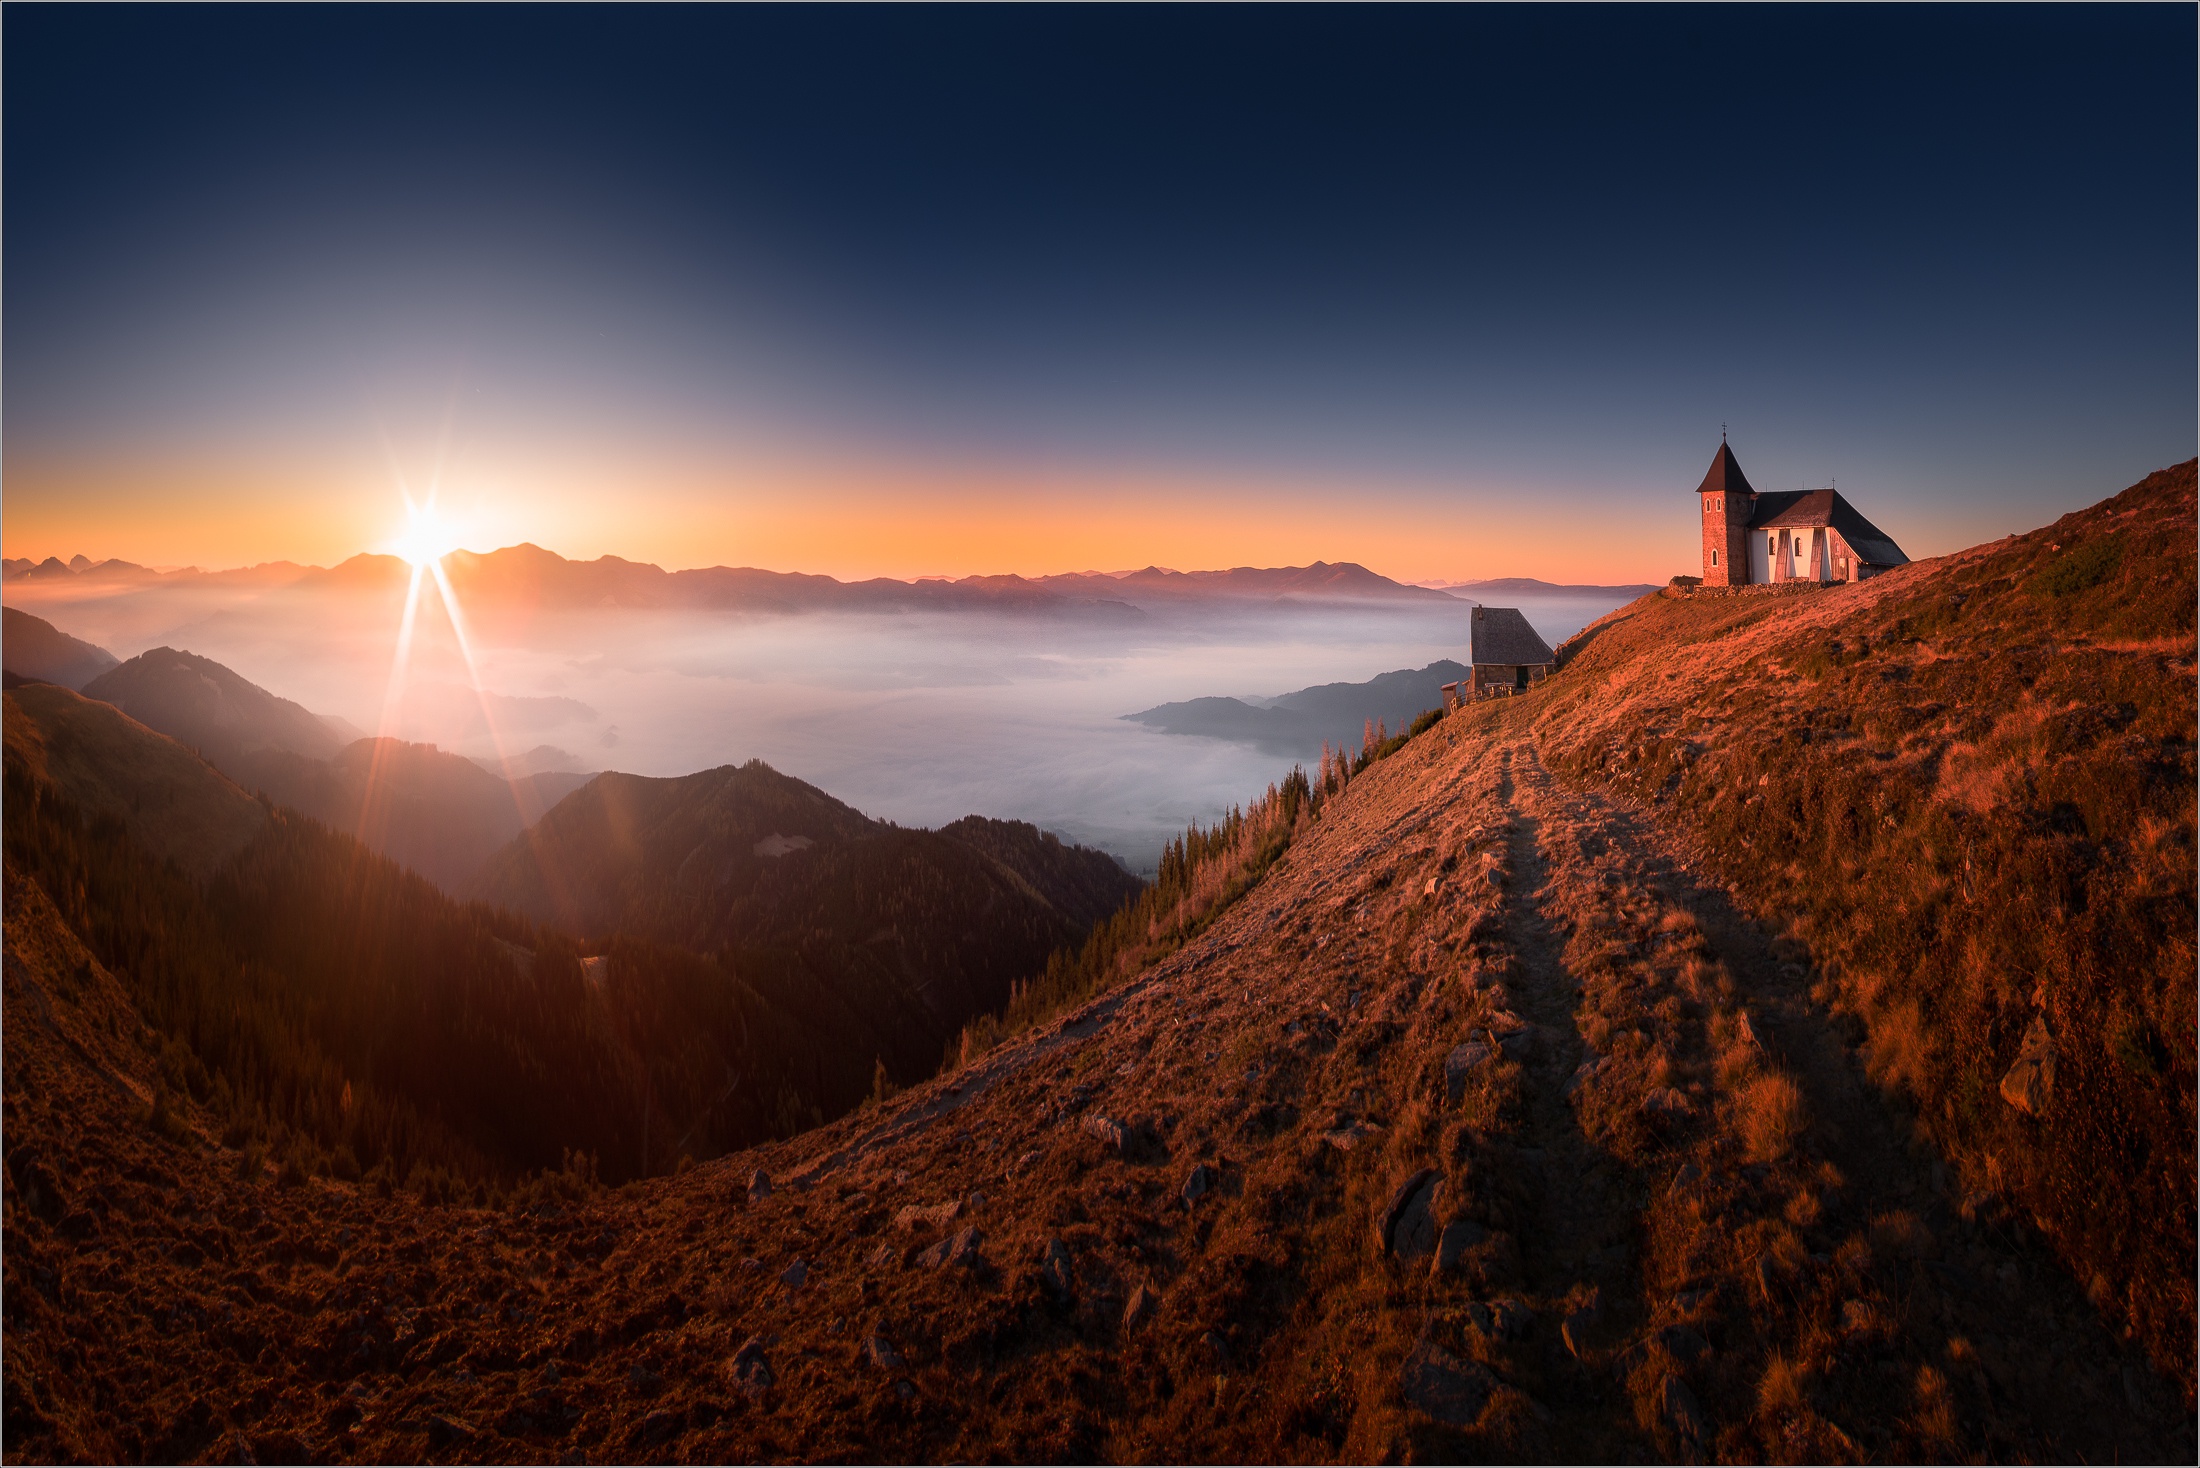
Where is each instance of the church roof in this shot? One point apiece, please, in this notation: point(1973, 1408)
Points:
point(1812, 507)
point(1503, 638)
point(1725, 475)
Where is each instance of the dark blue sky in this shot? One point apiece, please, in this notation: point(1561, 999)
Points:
point(1406, 263)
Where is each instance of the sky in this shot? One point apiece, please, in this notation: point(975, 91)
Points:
point(1452, 293)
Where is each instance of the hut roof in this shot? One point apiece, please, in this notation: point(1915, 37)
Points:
point(1501, 637)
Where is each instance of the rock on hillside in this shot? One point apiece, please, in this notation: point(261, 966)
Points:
point(34, 648)
point(894, 936)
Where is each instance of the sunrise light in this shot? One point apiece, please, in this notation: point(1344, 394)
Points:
point(427, 538)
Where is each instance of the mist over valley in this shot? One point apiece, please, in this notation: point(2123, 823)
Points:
point(917, 703)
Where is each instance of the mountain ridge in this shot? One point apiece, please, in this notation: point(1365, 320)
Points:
point(527, 574)
point(33, 647)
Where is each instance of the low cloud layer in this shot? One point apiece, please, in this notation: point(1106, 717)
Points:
point(917, 716)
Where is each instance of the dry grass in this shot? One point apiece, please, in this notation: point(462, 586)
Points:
point(1770, 1115)
point(1977, 810)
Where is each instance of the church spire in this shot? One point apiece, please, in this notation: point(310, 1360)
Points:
point(1725, 475)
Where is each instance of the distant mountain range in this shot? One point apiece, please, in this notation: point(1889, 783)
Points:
point(528, 576)
point(1528, 586)
point(1297, 723)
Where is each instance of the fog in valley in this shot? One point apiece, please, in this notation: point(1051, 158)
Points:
point(918, 717)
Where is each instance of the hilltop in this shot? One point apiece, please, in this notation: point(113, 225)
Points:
point(1622, 1070)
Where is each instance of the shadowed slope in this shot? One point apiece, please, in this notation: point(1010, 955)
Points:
point(893, 938)
point(35, 648)
point(201, 703)
point(110, 767)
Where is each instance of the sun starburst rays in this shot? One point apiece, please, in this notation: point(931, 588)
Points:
point(426, 541)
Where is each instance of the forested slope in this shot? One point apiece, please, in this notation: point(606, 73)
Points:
point(318, 1000)
point(888, 938)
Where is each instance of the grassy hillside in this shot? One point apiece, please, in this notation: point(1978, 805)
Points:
point(1967, 790)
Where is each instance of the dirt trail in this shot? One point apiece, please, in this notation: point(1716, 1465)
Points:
point(1821, 1299)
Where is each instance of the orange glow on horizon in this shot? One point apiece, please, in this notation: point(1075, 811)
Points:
point(851, 520)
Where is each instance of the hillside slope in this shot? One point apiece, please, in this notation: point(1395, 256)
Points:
point(1489, 1124)
point(337, 1012)
point(200, 703)
point(891, 939)
point(438, 813)
point(33, 647)
point(432, 811)
point(1965, 790)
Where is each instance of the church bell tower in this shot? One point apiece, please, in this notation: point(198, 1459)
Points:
point(1726, 503)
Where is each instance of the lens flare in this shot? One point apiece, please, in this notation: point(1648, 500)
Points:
point(427, 537)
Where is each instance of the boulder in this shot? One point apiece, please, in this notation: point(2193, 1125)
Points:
point(1350, 1134)
point(1203, 1180)
point(1454, 1244)
point(939, 1215)
point(1142, 1304)
point(1459, 1065)
point(445, 1431)
point(1667, 1104)
point(960, 1250)
point(1109, 1133)
point(1055, 1271)
point(1406, 1227)
point(1677, 1405)
point(1683, 1344)
point(795, 1275)
point(750, 1368)
point(880, 1352)
point(760, 1186)
point(1444, 1387)
point(2031, 1081)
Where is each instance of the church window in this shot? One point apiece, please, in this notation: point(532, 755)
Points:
point(1714, 558)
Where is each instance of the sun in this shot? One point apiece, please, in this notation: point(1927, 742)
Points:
point(427, 537)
